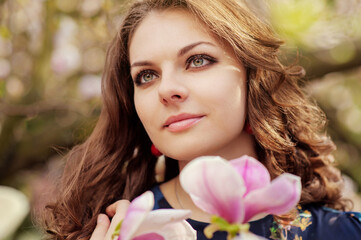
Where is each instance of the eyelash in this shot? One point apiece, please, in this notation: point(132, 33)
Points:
point(139, 75)
point(211, 60)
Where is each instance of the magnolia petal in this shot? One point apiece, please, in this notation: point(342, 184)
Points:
point(279, 197)
point(178, 231)
point(149, 236)
point(215, 187)
point(248, 236)
point(157, 219)
point(254, 174)
point(136, 214)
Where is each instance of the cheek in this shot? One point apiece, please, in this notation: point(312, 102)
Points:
point(233, 110)
point(147, 107)
point(229, 91)
point(228, 98)
point(142, 107)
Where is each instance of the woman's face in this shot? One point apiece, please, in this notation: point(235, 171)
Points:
point(189, 89)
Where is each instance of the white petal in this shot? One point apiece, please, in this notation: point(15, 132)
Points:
point(178, 231)
point(14, 206)
point(157, 219)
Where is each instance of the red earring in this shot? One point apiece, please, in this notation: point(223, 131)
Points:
point(248, 128)
point(155, 151)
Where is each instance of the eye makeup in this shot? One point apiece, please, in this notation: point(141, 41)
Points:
point(194, 62)
point(203, 61)
point(144, 76)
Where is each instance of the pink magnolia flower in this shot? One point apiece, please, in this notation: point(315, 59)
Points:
point(140, 223)
point(239, 189)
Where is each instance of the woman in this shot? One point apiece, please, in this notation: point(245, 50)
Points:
point(195, 78)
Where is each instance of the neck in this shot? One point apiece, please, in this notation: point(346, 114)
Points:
point(245, 146)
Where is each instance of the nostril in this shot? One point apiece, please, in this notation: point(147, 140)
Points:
point(172, 98)
point(176, 97)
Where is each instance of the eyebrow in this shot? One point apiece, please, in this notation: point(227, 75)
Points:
point(191, 46)
point(181, 52)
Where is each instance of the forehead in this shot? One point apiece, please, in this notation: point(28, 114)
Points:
point(173, 28)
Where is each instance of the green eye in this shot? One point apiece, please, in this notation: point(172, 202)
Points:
point(148, 77)
point(145, 76)
point(198, 62)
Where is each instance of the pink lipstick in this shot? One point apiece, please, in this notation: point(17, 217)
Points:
point(182, 122)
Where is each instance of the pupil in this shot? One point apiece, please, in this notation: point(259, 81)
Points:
point(198, 62)
point(148, 77)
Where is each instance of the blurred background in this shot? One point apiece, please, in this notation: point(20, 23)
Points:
point(52, 54)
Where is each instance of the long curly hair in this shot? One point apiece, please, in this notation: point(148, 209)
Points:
point(115, 162)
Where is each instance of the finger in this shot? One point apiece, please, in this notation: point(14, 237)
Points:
point(112, 209)
point(120, 211)
point(101, 228)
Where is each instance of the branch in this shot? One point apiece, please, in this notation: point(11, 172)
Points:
point(316, 67)
point(37, 108)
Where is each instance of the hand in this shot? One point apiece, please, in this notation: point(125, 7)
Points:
point(105, 228)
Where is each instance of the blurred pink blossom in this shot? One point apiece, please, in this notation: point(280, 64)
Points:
point(140, 223)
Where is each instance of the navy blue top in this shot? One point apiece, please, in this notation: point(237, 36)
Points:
point(312, 223)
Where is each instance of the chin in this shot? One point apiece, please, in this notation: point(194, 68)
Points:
point(188, 155)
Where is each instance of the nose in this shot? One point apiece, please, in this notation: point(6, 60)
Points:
point(172, 90)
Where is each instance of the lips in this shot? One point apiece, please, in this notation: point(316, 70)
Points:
point(182, 122)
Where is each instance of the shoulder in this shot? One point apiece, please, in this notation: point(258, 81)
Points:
point(330, 224)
